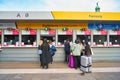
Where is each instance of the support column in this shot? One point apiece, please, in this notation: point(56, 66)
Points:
point(2, 38)
point(56, 37)
point(20, 37)
point(91, 37)
point(74, 35)
point(38, 37)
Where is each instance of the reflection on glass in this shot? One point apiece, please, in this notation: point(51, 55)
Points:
point(100, 40)
point(114, 39)
point(28, 39)
point(84, 38)
point(11, 39)
point(48, 37)
point(63, 38)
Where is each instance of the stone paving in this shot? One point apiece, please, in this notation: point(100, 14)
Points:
point(74, 76)
point(57, 71)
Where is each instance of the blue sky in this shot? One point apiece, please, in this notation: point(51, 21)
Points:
point(59, 5)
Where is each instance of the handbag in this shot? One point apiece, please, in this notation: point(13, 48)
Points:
point(91, 51)
point(39, 51)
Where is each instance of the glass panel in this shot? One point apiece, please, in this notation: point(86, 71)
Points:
point(84, 38)
point(114, 39)
point(28, 39)
point(11, 39)
point(48, 37)
point(100, 40)
point(62, 38)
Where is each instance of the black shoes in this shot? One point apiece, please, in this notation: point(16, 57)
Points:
point(83, 74)
point(45, 67)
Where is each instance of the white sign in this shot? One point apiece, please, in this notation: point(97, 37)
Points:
point(26, 32)
point(7, 25)
point(80, 32)
point(43, 32)
point(25, 15)
point(61, 32)
point(113, 32)
point(95, 32)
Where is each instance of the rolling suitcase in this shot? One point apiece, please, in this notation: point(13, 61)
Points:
point(71, 61)
point(86, 64)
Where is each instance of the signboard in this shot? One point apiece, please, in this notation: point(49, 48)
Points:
point(68, 32)
point(49, 32)
point(104, 26)
point(112, 32)
point(25, 15)
point(11, 32)
point(86, 15)
point(101, 32)
point(7, 25)
point(22, 25)
point(29, 32)
point(86, 32)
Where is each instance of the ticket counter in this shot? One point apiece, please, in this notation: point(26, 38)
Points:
point(21, 32)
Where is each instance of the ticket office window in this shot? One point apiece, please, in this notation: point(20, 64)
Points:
point(114, 39)
point(28, 39)
point(11, 39)
point(84, 38)
point(100, 40)
point(63, 38)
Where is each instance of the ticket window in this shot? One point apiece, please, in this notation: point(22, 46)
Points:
point(84, 38)
point(64, 35)
point(48, 37)
point(63, 38)
point(114, 40)
point(11, 40)
point(28, 39)
point(99, 40)
point(100, 37)
point(84, 35)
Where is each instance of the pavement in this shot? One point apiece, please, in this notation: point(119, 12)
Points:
point(57, 71)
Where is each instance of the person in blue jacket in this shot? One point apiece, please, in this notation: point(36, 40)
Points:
point(52, 50)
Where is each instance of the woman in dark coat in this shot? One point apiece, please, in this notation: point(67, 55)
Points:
point(87, 50)
point(45, 56)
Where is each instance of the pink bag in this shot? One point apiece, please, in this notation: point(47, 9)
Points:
point(71, 61)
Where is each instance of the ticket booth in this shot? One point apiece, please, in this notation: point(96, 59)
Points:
point(28, 37)
point(114, 38)
point(49, 34)
point(63, 35)
point(84, 35)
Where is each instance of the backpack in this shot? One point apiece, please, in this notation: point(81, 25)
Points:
point(53, 49)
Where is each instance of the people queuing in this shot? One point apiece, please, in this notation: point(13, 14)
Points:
point(76, 49)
